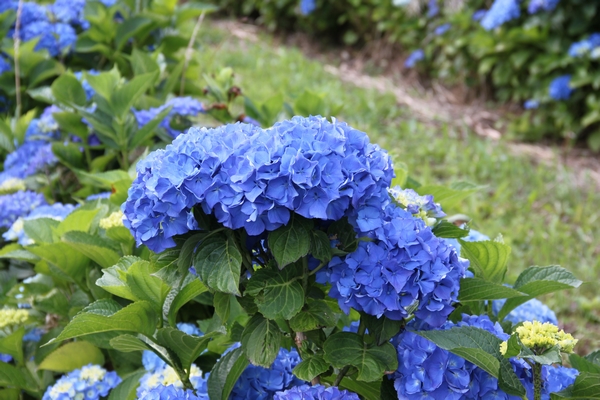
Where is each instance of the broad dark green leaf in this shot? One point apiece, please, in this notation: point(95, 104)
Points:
point(489, 259)
point(586, 386)
point(583, 364)
point(222, 304)
point(382, 328)
point(218, 262)
point(278, 294)
point(261, 341)
point(10, 376)
point(71, 356)
point(187, 347)
point(69, 154)
point(290, 242)
point(320, 246)
point(445, 229)
point(371, 361)
point(225, 374)
point(473, 289)
point(130, 28)
point(316, 314)
point(186, 255)
point(186, 294)
point(311, 367)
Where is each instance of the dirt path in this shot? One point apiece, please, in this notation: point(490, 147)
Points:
point(438, 105)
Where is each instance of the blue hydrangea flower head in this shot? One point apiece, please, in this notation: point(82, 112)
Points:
point(478, 15)
point(560, 88)
point(91, 382)
point(316, 392)
point(440, 30)
point(261, 383)
point(252, 178)
point(70, 12)
point(28, 159)
point(307, 6)
point(414, 57)
point(18, 204)
point(536, 6)
point(531, 104)
point(172, 393)
point(5, 358)
point(403, 267)
point(34, 335)
point(98, 196)
point(56, 211)
point(57, 38)
point(183, 106)
point(5, 65)
point(433, 9)
point(500, 13)
point(585, 46)
point(423, 207)
point(532, 310)
point(164, 375)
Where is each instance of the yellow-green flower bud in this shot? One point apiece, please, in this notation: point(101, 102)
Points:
point(12, 317)
point(503, 347)
point(113, 220)
point(536, 335)
point(12, 185)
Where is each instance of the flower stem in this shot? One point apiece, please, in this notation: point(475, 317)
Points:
point(537, 381)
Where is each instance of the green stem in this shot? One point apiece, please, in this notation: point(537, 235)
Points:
point(537, 381)
point(314, 271)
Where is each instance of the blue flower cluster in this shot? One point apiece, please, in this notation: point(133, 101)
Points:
point(478, 15)
point(560, 88)
point(182, 106)
point(28, 159)
point(262, 383)
point(536, 6)
point(253, 178)
point(585, 46)
point(404, 268)
point(414, 57)
point(171, 393)
point(164, 375)
point(531, 104)
point(533, 310)
point(423, 207)
point(18, 204)
point(56, 211)
point(5, 65)
point(44, 127)
point(307, 6)
point(89, 91)
point(433, 9)
point(440, 30)
point(317, 392)
point(500, 13)
point(91, 382)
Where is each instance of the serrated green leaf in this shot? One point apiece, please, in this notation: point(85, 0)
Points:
point(382, 328)
point(225, 374)
point(71, 356)
point(222, 304)
point(62, 259)
point(311, 367)
point(186, 294)
point(114, 279)
point(218, 263)
point(489, 259)
point(41, 230)
point(128, 343)
point(68, 90)
point(290, 242)
point(371, 361)
point(583, 364)
point(586, 386)
point(126, 390)
point(278, 294)
point(445, 229)
point(187, 347)
point(12, 344)
point(474, 289)
point(186, 255)
point(146, 286)
point(123, 98)
point(261, 341)
point(138, 317)
point(316, 314)
point(320, 246)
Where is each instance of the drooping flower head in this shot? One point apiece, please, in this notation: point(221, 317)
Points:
point(253, 178)
point(317, 392)
point(91, 382)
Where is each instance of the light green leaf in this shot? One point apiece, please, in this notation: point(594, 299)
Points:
point(40, 230)
point(146, 286)
point(261, 341)
point(78, 220)
point(371, 361)
point(218, 263)
point(98, 249)
point(309, 103)
point(448, 197)
point(68, 90)
point(474, 289)
point(12, 344)
point(583, 364)
point(142, 63)
point(187, 347)
point(278, 294)
point(71, 356)
point(126, 390)
point(225, 374)
point(114, 279)
point(290, 242)
point(130, 28)
point(63, 260)
point(186, 294)
point(489, 259)
point(128, 343)
point(222, 304)
point(123, 98)
point(10, 376)
point(445, 229)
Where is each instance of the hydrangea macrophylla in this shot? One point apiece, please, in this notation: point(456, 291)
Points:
point(89, 90)
point(44, 127)
point(433, 9)
point(478, 15)
point(421, 206)
point(261, 383)
point(317, 392)
point(152, 362)
point(414, 57)
point(501, 12)
point(585, 46)
point(69, 12)
point(91, 382)
point(560, 88)
point(56, 211)
point(28, 159)
point(5, 65)
point(531, 104)
point(440, 30)
point(18, 204)
point(536, 6)
point(183, 106)
point(164, 375)
point(307, 6)
point(405, 265)
point(528, 311)
point(5, 358)
point(253, 178)
point(171, 392)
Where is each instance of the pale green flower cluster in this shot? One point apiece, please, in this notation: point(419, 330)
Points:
point(12, 317)
point(12, 185)
point(538, 336)
point(113, 220)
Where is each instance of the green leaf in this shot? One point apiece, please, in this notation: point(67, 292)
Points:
point(480, 347)
point(130, 28)
point(71, 356)
point(448, 197)
point(586, 386)
point(44, 70)
point(583, 364)
point(261, 341)
point(311, 367)
point(594, 357)
point(290, 242)
point(12, 344)
point(368, 390)
point(344, 232)
point(138, 317)
point(12, 377)
point(371, 361)
point(186, 294)
point(69, 154)
point(278, 294)
point(489, 259)
point(536, 281)
point(316, 314)
point(186, 255)
point(128, 343)
point(382, 328)
point(114, 279)
point(40, 230)
point(222, 304)
point(474, 289)
point(98, 249)
point(309, 103)
point(187, 347)
point(126, 390)
point(218, 262)
point(104, 83)
point(123, 98)
point(142, 63)
point(146, 131)
point(225, 374)
point(78, 220)
point(146, 286)
point(445, 229)
point(63, 261)
point(71, 123)
point(320, 246)
point(68, 90)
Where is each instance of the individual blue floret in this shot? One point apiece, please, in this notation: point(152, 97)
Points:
point(91, 382)
point(414, 57)
point(500, 13)
point(560, 88)
point(317, 392)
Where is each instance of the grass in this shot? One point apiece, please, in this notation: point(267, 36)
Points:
point(547, 219)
